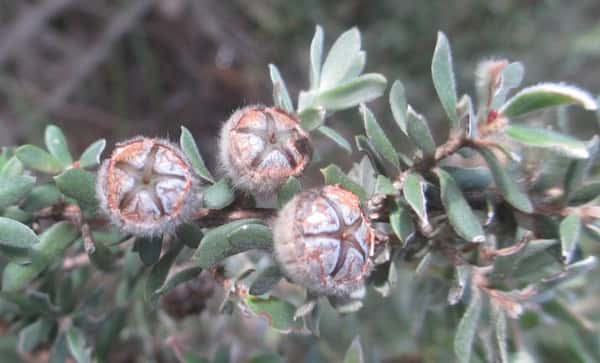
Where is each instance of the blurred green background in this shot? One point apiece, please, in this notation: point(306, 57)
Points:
point(115, 69)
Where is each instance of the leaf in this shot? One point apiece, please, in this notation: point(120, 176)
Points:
point(366, 146)
point(544, 95)
point(159, 273)
point(402, 224)
point(40, 197)
point(467, 328)
point(230, 239)
point(91, 155)
point(384, 186)
point(443, 78)
point(501, 340)
point(547, 139)
point(190, 149)
point(149, 249)
point(470, 178)
point(414, 193)
point(463, 272)
point(569, 273)
point(34, 334)
point(179, 277)
point(312, 118)
point(15, 236)
point(266, 280)
point(12, 167)
point(578, 170)
point(218, 195)
point(190, 234)
point(38, 159)
point(80, 185)
point(378, 138)
point(278, 313)
point(352, 93)
point(424, 264)
point(76, 344)
point(506, 183)
point(357, 66)
point(57, 145)
point(339, 59)
point(570, 231)
point(419, 133)
point(287, 191)
point(510, 78)
point(316, 57)
point(334, 175)
point(14, 188)
point(399, 105)
point(355, 354)
point(336, 137)
point(585, 194)
point(281, 97)
point(461, 216)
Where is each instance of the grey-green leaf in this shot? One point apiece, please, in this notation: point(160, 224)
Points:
point(218, 195)
point(547, 139)
point(149, 249)
point(179, 277)
point(340, 58)
point(38, 159)
point(419, 133)
point(336, 137)
point(334, 175)
point(443, 78)
point(278, 313)
point(190, 149)
point(414, 193)
point(352, 93)
point(511, 77)
point(570, 231)
point(159, 273)
point(399, 105)
point(190, 234)
point(312, 118)
point(402, 223)
point(14, 188)
point(544, 95)
point(585, 193)
point(290, 188)
point(579, 170)
point(80, 185)
point(461, 216)
point(16, 236)
point(281, 96)
point(377, 136)
point(467, 328)
point(384, 185)
point(91, 155)
point(76, 344)
point(266, 280)
point(506, 183)
point(316, 57)
point(57, 145)
point(230, 239)
point(355, 354)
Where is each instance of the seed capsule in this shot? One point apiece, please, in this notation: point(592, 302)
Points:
point(261, 147)
point(323, 241)
point(146, 187)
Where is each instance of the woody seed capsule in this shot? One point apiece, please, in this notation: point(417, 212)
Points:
point(146, 187)
point(323, 241)
point(261, 147)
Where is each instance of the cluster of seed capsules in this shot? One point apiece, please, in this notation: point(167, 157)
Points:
point(322, 239)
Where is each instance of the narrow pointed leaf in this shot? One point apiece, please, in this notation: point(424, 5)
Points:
point(266, 280)
point(281, 97)
point(336, 137)
point(506, 183)
point(402, 224)
point(356, 67)
point(14, 188)
point(544, 95)
point(57, 145)
point(579, 169)
point(339, 59)
point(352, 93)
point(585, 193)
point(278, 313)
point(76, 344)
point(159, 274)
point(179, 277)
point(316, 57)
point(570, 231)
point(218, 195)
point(378, 138)
point(290, 188)
point(443, 78)
point(230, 239)
point(419, 132)
point(510, 78)
point(461, 216)
point(467, 328)
point(399, 105)
point(366, 146)
point(190, 149)
point(355, 352)
point(547, 139)
point(91, 155)
point(38, 159)
point(334, 175)
point(501, 339)
point(414, 193)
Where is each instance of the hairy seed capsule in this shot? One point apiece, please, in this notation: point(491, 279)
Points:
point(323, 241)
point(146, 187)
point(261, 147)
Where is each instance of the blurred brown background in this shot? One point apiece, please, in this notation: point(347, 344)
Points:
point(114, 69)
